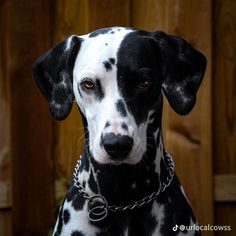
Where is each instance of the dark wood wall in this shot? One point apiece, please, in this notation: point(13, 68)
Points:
point(27, 35)
point(224, 112)
point(38, 154)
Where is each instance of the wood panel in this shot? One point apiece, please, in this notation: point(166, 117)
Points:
point(188, 138)
point(5, 148)
point(224, 84)
point(108, 13)
point(225, 214)
point(224, 103)
point(225, 188)
point(27, 38)
point(6, 222)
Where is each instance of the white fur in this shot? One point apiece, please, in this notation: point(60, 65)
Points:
point(79, 220)
point(158, 214)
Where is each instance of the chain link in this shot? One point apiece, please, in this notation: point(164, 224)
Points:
point(137, 204)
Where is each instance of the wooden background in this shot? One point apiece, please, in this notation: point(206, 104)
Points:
point(38, 154)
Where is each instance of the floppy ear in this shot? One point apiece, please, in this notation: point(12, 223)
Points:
point(183, 68)
point(53, 74)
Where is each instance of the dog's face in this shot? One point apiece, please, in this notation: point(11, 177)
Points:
point(112, 77)
point(116, 76)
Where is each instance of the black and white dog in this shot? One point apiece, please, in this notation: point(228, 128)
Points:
point(125, 184)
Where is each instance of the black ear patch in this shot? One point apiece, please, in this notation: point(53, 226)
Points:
point(183, 68)
point(53, 75)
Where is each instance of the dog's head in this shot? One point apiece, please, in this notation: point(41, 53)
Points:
point(116, 76)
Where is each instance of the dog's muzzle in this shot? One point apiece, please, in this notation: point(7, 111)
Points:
point(117, 146)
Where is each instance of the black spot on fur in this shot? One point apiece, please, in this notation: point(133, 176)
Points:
point(124, 126)
point(60, 222)
point(164, 171)
point(77, 233)
point(84, 160)
point(177, 210)
point(107, 65)
point(78, 202)
point(145, 225)
point(100, 31)
point(92, 183)
point(112, 60)
point(99, 91)
point(84, 164)
point(120, 106)
point(66, 216)
point(107, 124)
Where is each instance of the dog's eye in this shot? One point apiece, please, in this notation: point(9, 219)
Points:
point(143, 84)
point(88, 84)
point(144, 76)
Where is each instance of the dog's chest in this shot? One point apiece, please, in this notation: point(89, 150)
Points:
point(156, 218)
point(73, 220)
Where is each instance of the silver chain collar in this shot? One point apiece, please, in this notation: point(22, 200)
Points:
point(100, 211)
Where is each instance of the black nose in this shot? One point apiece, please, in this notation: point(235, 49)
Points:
point(117, 146)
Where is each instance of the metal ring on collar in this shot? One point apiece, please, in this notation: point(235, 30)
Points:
point(100, 211)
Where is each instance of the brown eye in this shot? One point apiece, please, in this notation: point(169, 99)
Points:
point(143, 84)
point(88, 84)
point(144, 76)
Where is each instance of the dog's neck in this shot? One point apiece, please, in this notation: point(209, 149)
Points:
point(125, 183)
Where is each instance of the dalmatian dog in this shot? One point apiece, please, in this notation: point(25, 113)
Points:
point(125, 183)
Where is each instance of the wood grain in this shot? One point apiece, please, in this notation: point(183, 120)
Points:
point(27, 39)
point(188, 138)
point(225, 188)
point(224, 84)
point(108, 13)
point(6, 222)
point(5, 147)
point(224, 103)
point(225, 214)
point(70, 17)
